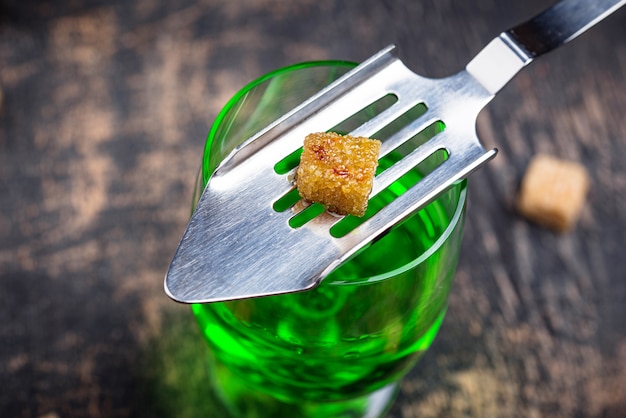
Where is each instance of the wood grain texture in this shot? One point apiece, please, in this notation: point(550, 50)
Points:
point(104, 107)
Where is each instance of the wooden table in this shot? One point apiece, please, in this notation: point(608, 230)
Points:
point(104, 110)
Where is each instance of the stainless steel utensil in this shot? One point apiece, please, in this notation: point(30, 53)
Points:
point(237, 246)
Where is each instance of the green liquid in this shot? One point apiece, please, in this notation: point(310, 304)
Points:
point(355, 333)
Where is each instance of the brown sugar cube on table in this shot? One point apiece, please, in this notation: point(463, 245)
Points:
point(553, 192)
point(338, 171)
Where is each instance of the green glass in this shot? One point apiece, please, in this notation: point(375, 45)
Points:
point(339, 349)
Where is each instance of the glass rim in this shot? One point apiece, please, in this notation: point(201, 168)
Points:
point(247, 88)
point(435, 246)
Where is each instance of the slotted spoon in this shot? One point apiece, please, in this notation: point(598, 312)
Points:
point(237, 246)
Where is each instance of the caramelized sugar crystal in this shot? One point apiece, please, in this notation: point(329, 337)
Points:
point(338, 171)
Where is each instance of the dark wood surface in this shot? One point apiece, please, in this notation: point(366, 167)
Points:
point(104, 109)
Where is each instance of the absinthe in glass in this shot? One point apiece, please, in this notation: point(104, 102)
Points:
point(356, 332)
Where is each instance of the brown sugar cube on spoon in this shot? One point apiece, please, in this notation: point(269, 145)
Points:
point(338, 171)
point(553, 192)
